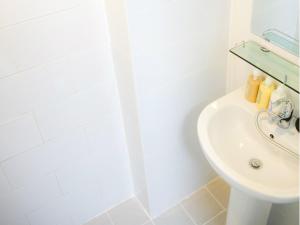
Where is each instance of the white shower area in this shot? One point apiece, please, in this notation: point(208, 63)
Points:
point(99, 101)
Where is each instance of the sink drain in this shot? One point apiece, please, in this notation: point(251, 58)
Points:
point(255, 163)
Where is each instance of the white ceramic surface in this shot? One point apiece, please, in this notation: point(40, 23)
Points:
point(229, 139)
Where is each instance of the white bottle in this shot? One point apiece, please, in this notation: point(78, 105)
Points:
point(277, 94)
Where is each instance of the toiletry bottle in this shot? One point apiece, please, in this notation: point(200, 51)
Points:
point(278, 93)
point(253, 83)
point(264, 93)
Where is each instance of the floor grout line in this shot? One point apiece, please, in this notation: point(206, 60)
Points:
point(212, 180)
point(211, 219)
point(189, 195)
point(149, 221)
point(110, 219)
point(109, 209)
point(187, 214)
point(215, 198)
point(179, 204)
point(145, 211)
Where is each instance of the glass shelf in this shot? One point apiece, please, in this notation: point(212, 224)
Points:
point(269, 62)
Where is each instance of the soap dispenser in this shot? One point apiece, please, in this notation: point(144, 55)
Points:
point(253, 83)
point(264, 93)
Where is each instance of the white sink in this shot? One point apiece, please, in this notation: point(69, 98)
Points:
point(229, 139)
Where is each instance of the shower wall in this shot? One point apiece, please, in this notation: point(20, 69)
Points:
point(86, 86)
point(122, 58)
point(179, 54)
point(63, 154)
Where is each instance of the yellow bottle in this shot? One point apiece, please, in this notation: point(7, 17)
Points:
point(253, 83)
point(264, 93)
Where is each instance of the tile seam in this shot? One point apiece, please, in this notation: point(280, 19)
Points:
point(188, 214)
point(211, 219)
point(215, 198)
point(54, 12)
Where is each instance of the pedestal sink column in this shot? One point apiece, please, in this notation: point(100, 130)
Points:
point(246, 210)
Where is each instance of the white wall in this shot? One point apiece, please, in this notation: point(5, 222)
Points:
point(238, 71)
point(281, 15)
point(63, 149)
point(179, 51)
point(120, 46)
point(62, 142)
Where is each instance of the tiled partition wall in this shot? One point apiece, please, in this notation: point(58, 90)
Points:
point(121, 51)
point(63, 153)
point(179, 52)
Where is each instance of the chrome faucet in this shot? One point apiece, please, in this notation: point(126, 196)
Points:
point(281, 112)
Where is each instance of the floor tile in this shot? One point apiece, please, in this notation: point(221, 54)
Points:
point(201, 206)
point(219, 220)
point(175, 216)
point(149, 223)
point(100, 220)
point(221, 190)
point(128, 213)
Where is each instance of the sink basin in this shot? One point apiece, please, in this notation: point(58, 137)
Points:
point(230, 140)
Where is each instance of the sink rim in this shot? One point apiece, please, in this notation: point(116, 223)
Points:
point(230, 175)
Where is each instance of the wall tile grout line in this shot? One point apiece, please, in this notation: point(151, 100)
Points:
point(11, 186)
point(58, 183)
point(38, 126)
point(15, 118)
point(20, 153)
point(46, 63)
point(49, 62)
point(7, 26)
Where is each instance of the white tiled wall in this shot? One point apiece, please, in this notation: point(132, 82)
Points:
point(17, 11)
point(18, 135)
point(179, 51)
point(122, 57)
point(62, 142)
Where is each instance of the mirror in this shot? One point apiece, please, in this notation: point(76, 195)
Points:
point(277, 21)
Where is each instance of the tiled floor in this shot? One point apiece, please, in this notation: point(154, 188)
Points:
point(207, 206)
